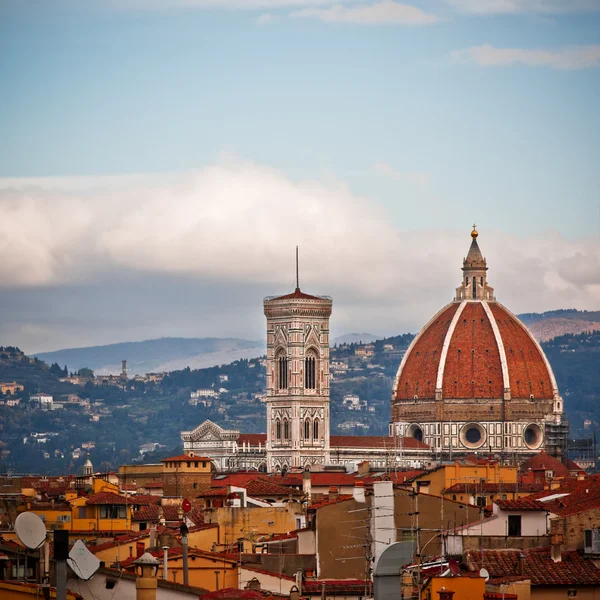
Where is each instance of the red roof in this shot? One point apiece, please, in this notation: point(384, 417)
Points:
point(169, 513)
point(581, 495)
point(493, 488)
point(480, 375)
point(252, 438)
point(296, 295)
point(107, 498)
point(342, 498)
point(526, 503)
point(218, 492)
point(374, 441)
point(545, 462)
point(183, 457)
point(263, 487)
point(538, 566)
point(335, 586)
point(233, 594)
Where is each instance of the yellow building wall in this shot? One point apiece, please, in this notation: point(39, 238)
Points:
point(449, 475)
point(201, 572)
point(249, 523)
point(204, 538)
point(92, 520)
point(50, 517)
point(15, 591)
point(121, 552)
point(464, 588)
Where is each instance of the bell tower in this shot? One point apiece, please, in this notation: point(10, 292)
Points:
point(297, 380)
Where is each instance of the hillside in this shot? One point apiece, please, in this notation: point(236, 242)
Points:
point(151, 356)
point(548, 325)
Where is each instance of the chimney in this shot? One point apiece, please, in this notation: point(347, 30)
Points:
point(359, 491)
point(152, 536)
point(364, 467)
point(521, 563)
point(306, 485)
point(556, 539)
point(139, 549)
point(333, 493)
point(254, 585)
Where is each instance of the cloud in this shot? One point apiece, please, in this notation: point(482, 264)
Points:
point(266, 19)
point(524, 6)
point(568, 58)
point(214, 4)
point(386, 11)
point(194, 253)
point(413, 177)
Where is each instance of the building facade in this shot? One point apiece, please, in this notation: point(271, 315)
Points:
point(475, 378)
point(297, 380)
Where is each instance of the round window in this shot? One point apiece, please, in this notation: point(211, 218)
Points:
point(533, 436)
point(473, 435)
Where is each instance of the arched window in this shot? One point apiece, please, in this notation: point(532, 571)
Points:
point(286, 429)
point(282, 371)
point(316, 429)
point(306, 429)
point(278, 429)
point(474, 288)
point(310, 372)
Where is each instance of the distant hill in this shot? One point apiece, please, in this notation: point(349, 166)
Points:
point(356, 338)
point(164, 354)
point(556, 323)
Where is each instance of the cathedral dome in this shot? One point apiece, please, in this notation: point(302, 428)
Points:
point(475, 376)
point(474, 349)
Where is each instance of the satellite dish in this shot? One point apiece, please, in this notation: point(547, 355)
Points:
point(484, 573)
point(82, 561)
point(30, 530)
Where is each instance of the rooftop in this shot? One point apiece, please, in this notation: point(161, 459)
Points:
point(537, 565)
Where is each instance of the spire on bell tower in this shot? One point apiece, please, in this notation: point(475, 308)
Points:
point(297, 275)
point(474, 284)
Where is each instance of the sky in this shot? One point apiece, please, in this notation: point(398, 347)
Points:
point(161, 159)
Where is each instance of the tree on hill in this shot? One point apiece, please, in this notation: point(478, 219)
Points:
point(85, 372)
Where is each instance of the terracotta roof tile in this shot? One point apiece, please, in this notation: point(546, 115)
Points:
point(374, 441)
point(183, 457)
point(297, 295)
point(252, 438)
point(538, 566)
point(580, 496)
point(335, 586)
point(107, 498)
point(545, 462)
point(526, 503)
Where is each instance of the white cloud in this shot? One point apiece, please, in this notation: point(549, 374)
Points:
point(266, 19)
point(413, 177)
point(226, 234)
point(568, 58)
point(215, 4)
point(524, 6)
point(386, 11)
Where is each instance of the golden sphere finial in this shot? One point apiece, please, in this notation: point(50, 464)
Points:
point(474, 233)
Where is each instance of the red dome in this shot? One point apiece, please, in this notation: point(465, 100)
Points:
point(474, 349)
